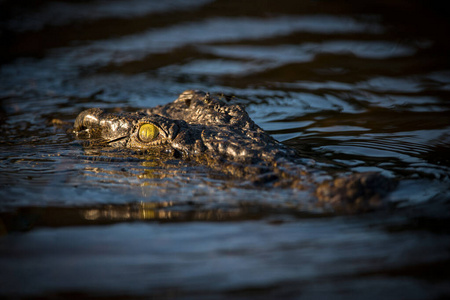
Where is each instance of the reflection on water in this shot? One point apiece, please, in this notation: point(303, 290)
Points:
point(145, 211)
point(28, 218)
point(354, 86)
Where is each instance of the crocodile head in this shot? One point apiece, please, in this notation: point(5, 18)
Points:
point(196, 125)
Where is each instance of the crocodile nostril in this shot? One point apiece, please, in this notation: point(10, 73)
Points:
point(88, 119)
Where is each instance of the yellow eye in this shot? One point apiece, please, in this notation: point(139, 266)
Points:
point(148, 132)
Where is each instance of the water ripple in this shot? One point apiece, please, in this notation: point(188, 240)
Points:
point(134, 47)
point(62, 13)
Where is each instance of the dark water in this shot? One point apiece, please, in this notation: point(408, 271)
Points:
point(354, 86)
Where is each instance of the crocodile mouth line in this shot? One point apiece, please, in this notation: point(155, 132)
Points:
point(116, 140)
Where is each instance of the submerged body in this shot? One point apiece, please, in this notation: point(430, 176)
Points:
point(208, 130)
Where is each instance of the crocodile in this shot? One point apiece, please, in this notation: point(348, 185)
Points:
point(209, 130)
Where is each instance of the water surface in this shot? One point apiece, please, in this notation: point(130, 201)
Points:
point(352, 86)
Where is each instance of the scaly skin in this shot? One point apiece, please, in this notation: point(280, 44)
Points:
point(204, 128)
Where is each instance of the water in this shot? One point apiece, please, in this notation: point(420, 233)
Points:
point(354, 86)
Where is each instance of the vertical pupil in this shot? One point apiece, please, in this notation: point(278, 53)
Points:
point(148, 132)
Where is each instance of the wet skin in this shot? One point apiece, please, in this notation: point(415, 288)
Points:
point(209, 130)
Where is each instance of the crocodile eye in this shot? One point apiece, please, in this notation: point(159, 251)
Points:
point(148, 132)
